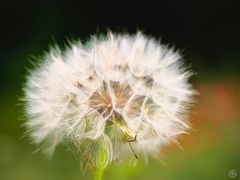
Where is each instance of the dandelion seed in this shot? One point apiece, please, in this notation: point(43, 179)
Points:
point(120, 95)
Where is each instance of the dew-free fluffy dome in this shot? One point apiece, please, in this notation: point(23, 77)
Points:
point(126, 94)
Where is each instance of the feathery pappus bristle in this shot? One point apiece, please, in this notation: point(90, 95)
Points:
point(128, 94)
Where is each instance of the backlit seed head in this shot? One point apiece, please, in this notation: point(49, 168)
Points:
point(127, 95)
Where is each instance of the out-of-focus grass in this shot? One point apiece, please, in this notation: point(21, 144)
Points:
point(209, 152)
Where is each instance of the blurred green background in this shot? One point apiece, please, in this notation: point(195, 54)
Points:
point(208, 35)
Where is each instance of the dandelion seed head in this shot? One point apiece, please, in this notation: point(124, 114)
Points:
point(127, 94)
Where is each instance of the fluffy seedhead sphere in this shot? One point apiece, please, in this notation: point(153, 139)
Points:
point(121, 95)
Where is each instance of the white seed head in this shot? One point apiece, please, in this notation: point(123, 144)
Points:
point(127, 94)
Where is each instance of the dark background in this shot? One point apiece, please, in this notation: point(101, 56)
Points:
point(208, 33)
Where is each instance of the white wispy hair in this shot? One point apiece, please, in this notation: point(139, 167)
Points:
point(126, 94)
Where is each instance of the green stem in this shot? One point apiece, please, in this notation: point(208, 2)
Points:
point(99, 173)
point(101, 159)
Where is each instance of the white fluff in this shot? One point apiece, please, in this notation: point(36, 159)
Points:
point(127, 94)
